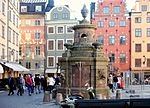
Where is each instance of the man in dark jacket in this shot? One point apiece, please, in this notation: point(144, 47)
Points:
point(37, 84)
point(11, 84)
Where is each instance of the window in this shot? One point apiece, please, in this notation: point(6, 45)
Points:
point(3, 31)
point(28, 65)
point(14, 18)
point(122, 23)
point(70, 41)
point(122, 40)
point(111, 57)
point(9, 34)
point(55, 15)
point(37, 65)
point(69, 29)
point(60, 30)
point(100, 24)
point(148, 47)
point(50, 44)
point(3, 8)
point(20, 50)
point(17, 39)
point(111, 24)
point(38, 8)
point(122, 58)
point(144, 7)
point(106, 10)
point(23, 8)
point(9, 15)
point(50, 29)
point(117, 10)
point(138, 32)
point(37, 50)
point(60, 45)
point(37, 22)
point(3, 53)
point(17, 23)
point(111, 40)
point(148, 19)
point(148, 31)
point(137, 47)
point(138, 20)
point(28, 51)
point(65, 15)
point(148, 62)
point(137, 62)
point(50, 61)
point(14, 37)
point(100, 40)
point(37, 36)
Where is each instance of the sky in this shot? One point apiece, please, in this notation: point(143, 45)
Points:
point(76, 6)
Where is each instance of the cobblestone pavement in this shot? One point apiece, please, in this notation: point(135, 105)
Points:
point(25, 101)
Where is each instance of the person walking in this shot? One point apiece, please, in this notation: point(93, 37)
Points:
point(110, 82)
point(20, 85)
point(29, 84)
point(11, 84)
point(115, 80)
point(37, 84)
point(51, 82)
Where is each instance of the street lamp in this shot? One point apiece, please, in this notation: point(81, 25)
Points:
point(95, 45)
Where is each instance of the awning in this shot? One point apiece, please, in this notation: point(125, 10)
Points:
point(52, 71)
point(16, 67)
point(1, 69)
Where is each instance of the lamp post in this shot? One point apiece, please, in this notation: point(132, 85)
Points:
point(95, 45)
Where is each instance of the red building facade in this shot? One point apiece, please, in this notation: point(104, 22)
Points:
point(32, 43)
point(113, 32)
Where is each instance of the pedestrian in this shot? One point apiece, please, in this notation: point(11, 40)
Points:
point(37, 84)
point(115, 80)
point(51, 83)
point(11, 84)
point(44, 83)
point(110, 82)
point(20, 85)
point(29, 84)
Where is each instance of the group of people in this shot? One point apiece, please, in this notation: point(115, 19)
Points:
point(115, 82)
point(32, 84)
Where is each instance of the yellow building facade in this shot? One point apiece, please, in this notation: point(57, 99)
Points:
point(140, 39)
point(9, 32)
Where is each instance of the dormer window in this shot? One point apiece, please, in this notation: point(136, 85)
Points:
point(144, 7)
point(23, 8)
point(38, 8)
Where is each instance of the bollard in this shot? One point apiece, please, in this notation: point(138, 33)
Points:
point(59, 98)
point(46, 96)
point(118, 94)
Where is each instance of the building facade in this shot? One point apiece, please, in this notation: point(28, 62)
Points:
point(9, 32)
point(140, 39)
point(58, 32)
point(32, 31)
point(113, 32)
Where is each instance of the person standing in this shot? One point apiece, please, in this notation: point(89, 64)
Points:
point(110, 82)
point(20, 85)
point(37, 84)
point(29, 84)
point(11, 84)
point(51, 83)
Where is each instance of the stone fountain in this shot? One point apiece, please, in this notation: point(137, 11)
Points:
point(83, 64)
